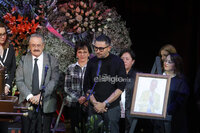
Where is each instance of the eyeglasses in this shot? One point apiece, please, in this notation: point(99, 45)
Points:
point(101, 49)
point(168, 61)
point(3, 34)
point(36, 45)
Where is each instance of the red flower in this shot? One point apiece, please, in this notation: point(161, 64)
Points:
point(14, 29)
point(19, 19)
point(14, 9)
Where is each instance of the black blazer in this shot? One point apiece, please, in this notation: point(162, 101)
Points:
point(9, 62)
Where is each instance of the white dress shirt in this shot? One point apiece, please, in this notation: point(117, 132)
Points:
point(40, 69)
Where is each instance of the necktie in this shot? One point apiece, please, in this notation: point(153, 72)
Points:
point(35, 79)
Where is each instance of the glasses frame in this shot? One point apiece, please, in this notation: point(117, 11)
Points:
point(3, 34)
point(168, 61)
point(101, 49)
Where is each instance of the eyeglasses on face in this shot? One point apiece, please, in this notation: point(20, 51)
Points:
point(3, 34)
point(36, 45)
point(168, 61)
point(101, 49)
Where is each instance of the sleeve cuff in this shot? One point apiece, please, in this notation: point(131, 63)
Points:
point(29, 96)
point(8, 85)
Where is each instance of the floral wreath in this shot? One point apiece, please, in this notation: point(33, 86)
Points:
point(75, 20)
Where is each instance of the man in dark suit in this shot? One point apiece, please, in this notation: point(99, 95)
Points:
point(36, 71)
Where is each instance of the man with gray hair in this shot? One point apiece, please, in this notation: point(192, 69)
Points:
point(37, 71)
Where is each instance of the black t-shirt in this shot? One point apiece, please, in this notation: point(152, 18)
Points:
point(112, 76)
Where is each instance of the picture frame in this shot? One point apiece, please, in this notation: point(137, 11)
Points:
point(150, 96)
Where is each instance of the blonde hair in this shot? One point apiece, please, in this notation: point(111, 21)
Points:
point(169, 48)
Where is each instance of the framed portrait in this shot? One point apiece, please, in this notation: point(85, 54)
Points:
point(150, 96)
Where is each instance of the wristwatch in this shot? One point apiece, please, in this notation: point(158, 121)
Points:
point(107, 104)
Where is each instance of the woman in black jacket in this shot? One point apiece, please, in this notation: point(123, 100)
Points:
point(178, 95)
point(8, 61)
point(7, 58)
point(128, 56)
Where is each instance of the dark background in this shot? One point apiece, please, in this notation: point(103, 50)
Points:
point(154, 23)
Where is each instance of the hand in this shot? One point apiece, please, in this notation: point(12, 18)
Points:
point(35, 99)
point(7, 90)
point(86, 104)
point(100, 107)
point(82, 99)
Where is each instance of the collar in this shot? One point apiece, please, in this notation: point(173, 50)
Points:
point(170, 75)
point(39, 58)
point(77, 64)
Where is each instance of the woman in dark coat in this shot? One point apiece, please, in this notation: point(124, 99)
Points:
point(7, 58)
point(128, 56)
point(178, 95)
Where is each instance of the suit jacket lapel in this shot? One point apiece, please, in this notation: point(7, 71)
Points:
point(28, 68)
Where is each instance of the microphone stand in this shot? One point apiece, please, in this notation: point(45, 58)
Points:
point(41, 99)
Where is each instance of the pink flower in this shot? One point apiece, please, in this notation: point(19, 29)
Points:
point(97, 12)
point(65, 24)
point(77, 9)
point(87, 14)
point(75, 27)
point(71, 6)
point(82, 11)
point(86, 19)
point(100, 18)
point(81, 3)
point(94, 4)
point(90, 11)
point(78, 30)
point(62, 9)
point(85, 6)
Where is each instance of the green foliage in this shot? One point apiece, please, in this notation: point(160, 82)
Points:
point(93, 126)
point(60, 50)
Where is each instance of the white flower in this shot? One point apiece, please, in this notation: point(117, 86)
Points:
point(108, 19)
point(85, 24)
point(90, 26)
point(67, 14)
point(99, 29)
point(79, 18)
point(91, 18)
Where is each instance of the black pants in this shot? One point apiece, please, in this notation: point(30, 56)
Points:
point(110, 119)
point(34, 122)
point(4, 127)
point(77, 116)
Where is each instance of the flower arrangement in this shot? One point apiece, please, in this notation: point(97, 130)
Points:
point(76, 19)
point(80, 16)
point(118, 32)
point(57, 48)
point(20, 28)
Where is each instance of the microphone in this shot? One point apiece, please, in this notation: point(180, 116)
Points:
point(43, 86)
point(45, 74)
